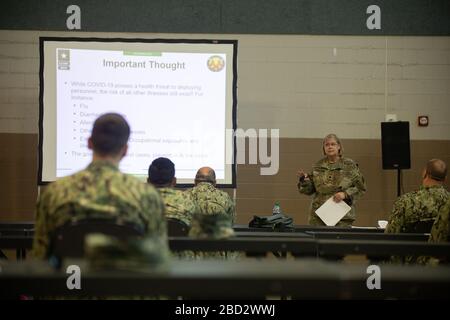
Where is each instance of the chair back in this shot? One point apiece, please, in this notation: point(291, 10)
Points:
point(422, 226)
point(68, 239)
point(177, 228)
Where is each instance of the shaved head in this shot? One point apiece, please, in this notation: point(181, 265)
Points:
point(205, 174)
point(436, 169)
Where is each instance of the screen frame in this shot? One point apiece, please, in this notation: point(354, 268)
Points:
point(42, 41)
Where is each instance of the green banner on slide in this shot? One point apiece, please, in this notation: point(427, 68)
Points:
point(141, 53)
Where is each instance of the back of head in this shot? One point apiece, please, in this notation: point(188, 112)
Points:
point(109, 134)
point(161, 172)
point(436, 169)
point(205, 174)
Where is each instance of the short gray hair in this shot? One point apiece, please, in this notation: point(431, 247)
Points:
point(335, 137)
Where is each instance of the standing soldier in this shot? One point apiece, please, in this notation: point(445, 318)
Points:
point(333, 176)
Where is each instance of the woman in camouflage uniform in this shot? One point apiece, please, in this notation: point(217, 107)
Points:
point(333, 176)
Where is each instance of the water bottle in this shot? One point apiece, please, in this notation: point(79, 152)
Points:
point(276, 208)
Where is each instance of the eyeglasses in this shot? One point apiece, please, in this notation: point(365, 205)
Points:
point(331, 144)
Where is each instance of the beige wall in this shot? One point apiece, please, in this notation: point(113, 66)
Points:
point(306, 86)
point(256, 194)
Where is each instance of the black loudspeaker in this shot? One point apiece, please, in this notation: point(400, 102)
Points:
point(395, 145)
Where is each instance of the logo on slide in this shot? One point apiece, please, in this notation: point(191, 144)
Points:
point(64, 59)
point(215, 63)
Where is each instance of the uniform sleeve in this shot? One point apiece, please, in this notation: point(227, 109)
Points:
point(191, 206)
point(398, 216)
point(307, 186)
point(231, 210)
point(358, 187)
point(441, 227)
point(41, 237)
point(153, 209)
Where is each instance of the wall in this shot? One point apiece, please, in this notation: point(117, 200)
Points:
point(307, 86)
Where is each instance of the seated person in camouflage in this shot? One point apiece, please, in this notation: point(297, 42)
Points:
point(100, 190)
point(440, 232)
point(212, 226)
point(208, 198)
point(216, 212)
point(423, 205)
point(332, 176)
point(179, 204)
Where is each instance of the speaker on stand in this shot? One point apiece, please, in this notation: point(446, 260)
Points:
point(395, 147)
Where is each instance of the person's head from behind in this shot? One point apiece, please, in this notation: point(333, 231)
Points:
point(435, 172)
point(332, 146)
point(109, 137)
point(161, 173)
point(205, 174)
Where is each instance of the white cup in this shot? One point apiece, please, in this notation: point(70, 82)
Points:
point(382, 224)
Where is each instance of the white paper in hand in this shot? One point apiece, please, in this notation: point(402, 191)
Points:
point(332, 212)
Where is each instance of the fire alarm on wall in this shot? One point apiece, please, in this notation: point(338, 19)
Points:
point(423, 121)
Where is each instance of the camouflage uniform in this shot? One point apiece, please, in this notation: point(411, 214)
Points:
point(179, 204)
point(212, 226)
point(415, 206)
point(211, 200)
point(215, 218)
point(100, 190)
point(327, 179)
point(440, 232)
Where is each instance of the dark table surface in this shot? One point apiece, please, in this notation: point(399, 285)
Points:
point(316, 279)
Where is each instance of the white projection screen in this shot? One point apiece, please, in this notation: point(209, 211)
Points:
point(179, 97)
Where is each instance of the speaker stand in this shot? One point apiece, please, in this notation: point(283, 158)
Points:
point(399, 174)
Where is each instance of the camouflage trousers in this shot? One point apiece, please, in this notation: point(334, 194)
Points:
point(314, 220)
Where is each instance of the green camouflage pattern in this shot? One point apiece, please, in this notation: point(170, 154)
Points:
point(108, 253)
point(179, 205)
point(326, 180)
point(416, 206)
point(440, 232)
point(99, 191)
point(212, 226)
point(214, 220)
point(211, 200)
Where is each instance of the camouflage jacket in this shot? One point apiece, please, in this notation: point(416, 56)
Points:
point(212, 226)
point(179, 204)
point(211, 200)
point(415, 206)
point(440, 232)
point(327, 179)
point(100, 190)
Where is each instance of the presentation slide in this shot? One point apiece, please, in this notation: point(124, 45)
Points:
point(178, 97)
